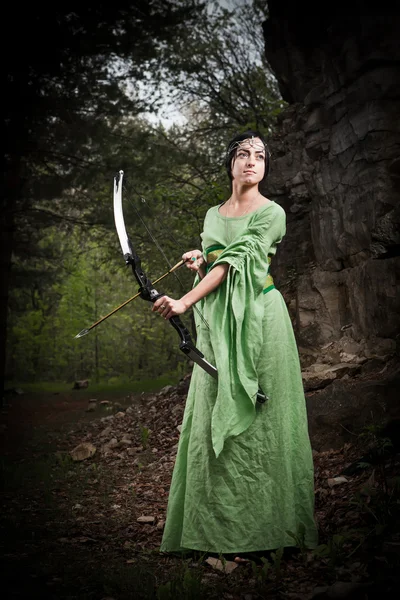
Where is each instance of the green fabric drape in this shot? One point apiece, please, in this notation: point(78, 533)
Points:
point(234, 313)
point(243, 478)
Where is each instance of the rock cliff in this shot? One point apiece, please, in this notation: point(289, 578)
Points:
point(336, 171)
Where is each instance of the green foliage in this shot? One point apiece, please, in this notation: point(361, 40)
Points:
point(144, 436)
point(334, 550)
point(219, 72)
point(186, 585)
point(300, 539)
point(261, 573)
point(277, 562)
point(42, 336)
point(67, 267)
point(268, 574)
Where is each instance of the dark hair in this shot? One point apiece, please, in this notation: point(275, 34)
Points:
point(232, 147)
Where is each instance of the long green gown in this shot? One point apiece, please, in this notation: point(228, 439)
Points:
point(243, 476)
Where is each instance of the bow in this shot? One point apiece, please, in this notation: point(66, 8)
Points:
point(148, 292)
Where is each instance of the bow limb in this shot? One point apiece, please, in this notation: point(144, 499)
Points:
point(147, 290)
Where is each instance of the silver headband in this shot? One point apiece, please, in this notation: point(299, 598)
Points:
point(250, 141)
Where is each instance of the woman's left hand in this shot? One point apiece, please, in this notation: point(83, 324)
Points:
point(168, 307)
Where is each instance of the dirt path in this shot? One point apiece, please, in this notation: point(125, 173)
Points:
point(91, 530)
point(73, 529)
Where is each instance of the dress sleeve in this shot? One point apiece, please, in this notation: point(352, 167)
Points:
point(235, 312)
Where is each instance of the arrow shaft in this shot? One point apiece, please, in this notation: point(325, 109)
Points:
point(174, 268)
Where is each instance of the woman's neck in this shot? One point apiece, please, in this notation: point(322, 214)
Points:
point(243, 195)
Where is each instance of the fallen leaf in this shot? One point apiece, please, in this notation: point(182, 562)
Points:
point(332, 482)
point(225, 566)
point(144, 519)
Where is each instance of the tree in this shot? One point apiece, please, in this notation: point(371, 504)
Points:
point(219, 74)
point(68, 82)
point(222, 85)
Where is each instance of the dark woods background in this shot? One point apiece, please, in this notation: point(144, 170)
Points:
point(89, 91)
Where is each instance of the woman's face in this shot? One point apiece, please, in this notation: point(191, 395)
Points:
point(248, 164)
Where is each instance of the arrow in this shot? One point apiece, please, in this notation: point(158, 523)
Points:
point(86, 331)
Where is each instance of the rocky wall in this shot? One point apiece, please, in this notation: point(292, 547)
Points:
point(336, 171)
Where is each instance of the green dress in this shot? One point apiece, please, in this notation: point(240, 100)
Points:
point(243, 476)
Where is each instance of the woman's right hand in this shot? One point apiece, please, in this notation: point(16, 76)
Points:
point(194, 260)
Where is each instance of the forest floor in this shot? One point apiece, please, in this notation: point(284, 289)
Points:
point(90, 528)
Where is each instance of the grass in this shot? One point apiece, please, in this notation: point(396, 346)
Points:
point(114, 386)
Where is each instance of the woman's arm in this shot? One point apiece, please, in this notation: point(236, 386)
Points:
point(168, 307)
point(208, 284)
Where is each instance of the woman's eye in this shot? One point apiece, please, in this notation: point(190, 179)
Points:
point(261, 157)
point(242, 154)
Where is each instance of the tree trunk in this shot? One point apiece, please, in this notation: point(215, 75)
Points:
point(7, 227)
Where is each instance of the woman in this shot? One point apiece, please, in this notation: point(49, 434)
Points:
point(243, 479)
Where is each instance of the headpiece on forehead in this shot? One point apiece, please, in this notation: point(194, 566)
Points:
point(247, 137)
point(250, 141)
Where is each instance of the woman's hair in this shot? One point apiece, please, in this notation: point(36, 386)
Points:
point(233, 146)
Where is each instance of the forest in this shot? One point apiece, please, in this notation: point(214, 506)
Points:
point(149, 104)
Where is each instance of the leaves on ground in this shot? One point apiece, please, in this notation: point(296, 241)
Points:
point(92, 527)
